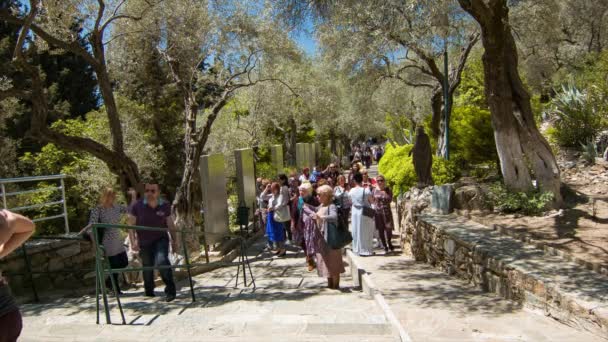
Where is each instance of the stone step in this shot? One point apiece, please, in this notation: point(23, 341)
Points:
point(513, 269)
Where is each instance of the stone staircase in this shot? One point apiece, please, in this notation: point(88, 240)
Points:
point(288, 304)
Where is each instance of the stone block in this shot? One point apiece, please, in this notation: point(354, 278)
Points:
point(442, 199)
point(69, 250)
point(56, 264)
point(449, 246)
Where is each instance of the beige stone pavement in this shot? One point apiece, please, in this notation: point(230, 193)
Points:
point(288, 304)
point(432, 306)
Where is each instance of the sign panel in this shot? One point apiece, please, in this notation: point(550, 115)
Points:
point(311, 160)
point(277, 158)
point(245, 178)
point(301, 155)
point(215, 198)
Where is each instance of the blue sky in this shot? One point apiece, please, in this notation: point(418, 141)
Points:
point(305, 38)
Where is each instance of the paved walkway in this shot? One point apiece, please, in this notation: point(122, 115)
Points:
point(288, 304)
point(432, 306)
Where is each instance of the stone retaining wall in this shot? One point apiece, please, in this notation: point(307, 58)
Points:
point(54, 257)
point(468, 261)
point(506, 267)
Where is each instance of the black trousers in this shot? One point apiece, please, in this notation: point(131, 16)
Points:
point(10, 326)
point(117, 261)
point(157, 254)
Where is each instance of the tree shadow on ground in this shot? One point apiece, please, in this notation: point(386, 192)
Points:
point(424, 287)
point(278, 279)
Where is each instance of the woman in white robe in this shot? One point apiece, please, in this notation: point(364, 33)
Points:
point(363, 227)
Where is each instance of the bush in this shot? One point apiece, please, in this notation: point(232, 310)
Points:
point(398, 169)
point(530, 203)
point(589, 152)
point(577, 116)
point(472, 135)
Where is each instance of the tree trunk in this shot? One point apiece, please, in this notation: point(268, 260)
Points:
point(521, 148)
point(291, 139)
point(184, 209)
point(438, 119)
point(185, 206)
point(333, 147)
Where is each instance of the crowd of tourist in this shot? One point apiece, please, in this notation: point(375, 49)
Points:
point(301, 209)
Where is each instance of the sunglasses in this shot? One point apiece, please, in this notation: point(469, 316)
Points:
point(151, 191)
point(380, 180)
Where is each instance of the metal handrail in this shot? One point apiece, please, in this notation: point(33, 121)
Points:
point(36, 206)
point(61, 187)
point(34, 191)
point(101, 271)
point(30, 179)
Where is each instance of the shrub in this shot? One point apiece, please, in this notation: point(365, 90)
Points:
point(528, 203)
point(472, 135)
point(589, 152)
point(398, 169)
point(577, 116)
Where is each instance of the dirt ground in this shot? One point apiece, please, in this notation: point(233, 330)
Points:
point(581, 227)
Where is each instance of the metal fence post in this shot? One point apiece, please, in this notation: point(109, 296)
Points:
point(4, 196)
point(101, 274)
point(65, 207)
point(28, 266)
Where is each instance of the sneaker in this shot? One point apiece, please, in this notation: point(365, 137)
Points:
point(169, 298)
point(148, 294)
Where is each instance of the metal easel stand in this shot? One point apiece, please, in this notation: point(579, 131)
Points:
point(243, 220)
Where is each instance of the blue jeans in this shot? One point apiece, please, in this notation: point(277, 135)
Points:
point(157, 254)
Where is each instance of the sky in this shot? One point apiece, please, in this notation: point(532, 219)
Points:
point(306, 39)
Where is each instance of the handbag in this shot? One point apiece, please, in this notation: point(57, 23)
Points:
point(282, 214)
point(338, 235)
point(365, 210)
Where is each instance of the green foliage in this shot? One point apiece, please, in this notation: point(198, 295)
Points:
point(589, 152)
point(265, 170)
point(471, 91)
point(399, 129)
point(577, 115)
point(530, 203)
point(472, 135)
point(87, 175)
point(397, 167)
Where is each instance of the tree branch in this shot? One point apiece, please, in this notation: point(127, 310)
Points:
point(14, 92)
point(73, 47)
point(456, 76)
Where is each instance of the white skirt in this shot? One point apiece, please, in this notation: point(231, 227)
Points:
point(363, 232)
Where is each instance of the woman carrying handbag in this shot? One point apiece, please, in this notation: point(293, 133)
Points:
point(362, 218)
point(329, 259)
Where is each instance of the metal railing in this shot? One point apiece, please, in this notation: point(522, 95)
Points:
point(61, 187)
point(103, 268)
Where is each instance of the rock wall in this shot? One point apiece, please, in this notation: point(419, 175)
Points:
point(65, 265)
point(409, 206)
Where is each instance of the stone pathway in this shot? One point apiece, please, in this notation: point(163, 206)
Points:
point(288, 304)
point(432, 306)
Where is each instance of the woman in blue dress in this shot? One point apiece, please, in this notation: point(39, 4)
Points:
point(275, 230)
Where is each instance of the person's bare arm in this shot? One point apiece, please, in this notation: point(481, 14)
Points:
point(173, 233)
point(131, 220)
point(15, 229)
